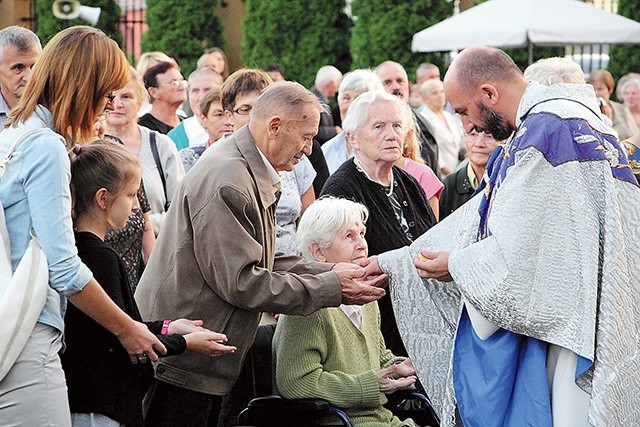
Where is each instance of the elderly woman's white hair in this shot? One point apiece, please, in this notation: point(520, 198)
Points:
point(427, 85)
point(554, 70)
point(361, 80)
point(358, 113)
point(323, 219)
point(631, 79)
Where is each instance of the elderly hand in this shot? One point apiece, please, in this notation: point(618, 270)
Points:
point(209, 343)
point(185, 326)
point(389, 380)
point(372, 269)
point(404, 369)
point(433, 265)
point(356, 288)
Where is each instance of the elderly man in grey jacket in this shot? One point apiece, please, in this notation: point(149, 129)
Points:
point(216, 259)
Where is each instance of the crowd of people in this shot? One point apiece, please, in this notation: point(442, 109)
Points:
point(473, 238)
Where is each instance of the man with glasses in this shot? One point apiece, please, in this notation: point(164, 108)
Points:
point(167, 91)
point(240, 92)
point(217, 259)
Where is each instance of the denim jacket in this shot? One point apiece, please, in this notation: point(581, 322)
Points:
point(35, 194)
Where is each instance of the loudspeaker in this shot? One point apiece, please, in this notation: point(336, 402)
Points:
point(90, 14)
point(72, 9)
point(66, 9)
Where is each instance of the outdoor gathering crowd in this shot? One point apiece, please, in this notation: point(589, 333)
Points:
point(472, 238)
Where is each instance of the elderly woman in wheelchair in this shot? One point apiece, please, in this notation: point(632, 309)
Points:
point(338, 354)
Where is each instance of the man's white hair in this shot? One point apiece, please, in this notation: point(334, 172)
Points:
point(22, 39)
point(327, 74)
point(554, 70)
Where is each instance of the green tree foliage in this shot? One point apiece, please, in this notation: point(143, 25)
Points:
point(48, 25)
point(384, 29)
point(184, 28)
point(626, 58)
point(302, 36)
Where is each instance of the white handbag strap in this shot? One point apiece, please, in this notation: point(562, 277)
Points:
point(9, 155)
point(5, 256)
point(4, 233)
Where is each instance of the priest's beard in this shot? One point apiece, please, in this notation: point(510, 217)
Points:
point(493, 123)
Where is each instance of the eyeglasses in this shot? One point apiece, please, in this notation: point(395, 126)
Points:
point(178, 83)
point(243, 110)
point(110, 97)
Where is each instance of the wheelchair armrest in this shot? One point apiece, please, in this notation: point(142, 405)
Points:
point(400, 395)
point(279, 403)
point(413, 404)
point(268, 409)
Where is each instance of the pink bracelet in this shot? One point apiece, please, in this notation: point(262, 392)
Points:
point(165, 327)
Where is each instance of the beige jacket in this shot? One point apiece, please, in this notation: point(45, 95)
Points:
point(215, 261)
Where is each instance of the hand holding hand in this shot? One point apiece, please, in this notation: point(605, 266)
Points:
point(209, 343)
point(185, 326)
point(371, 266)
point(355, 288)
point(404, 369)
point(388, 382)
point(140, 343)
point(433, 265)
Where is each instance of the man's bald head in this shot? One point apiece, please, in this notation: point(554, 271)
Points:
point(484, 86)
point(287, 98)
point(283, 122)
point(477, 65)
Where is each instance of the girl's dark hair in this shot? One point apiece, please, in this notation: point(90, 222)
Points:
point(101, 164)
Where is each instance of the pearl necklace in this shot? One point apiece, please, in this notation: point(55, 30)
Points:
point(361, 169)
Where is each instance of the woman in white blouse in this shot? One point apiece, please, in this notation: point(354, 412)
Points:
point(447, 129)
point(122, 122)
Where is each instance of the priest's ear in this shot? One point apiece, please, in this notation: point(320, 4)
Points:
point(489, 94)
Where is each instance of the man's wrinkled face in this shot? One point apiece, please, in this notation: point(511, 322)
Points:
point(395, 81)
point(198, 87)
point(294, 139)
point(15, 70)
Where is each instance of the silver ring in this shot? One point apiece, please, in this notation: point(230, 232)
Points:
point(142, 358)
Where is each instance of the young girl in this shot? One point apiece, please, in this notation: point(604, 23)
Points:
point(104, 386)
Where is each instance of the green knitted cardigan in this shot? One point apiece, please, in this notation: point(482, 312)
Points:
point(324, 355)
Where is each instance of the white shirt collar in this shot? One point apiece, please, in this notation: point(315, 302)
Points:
point(273, 174)
point(354, 313)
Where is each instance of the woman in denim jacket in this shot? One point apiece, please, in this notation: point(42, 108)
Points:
point(70, 86)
